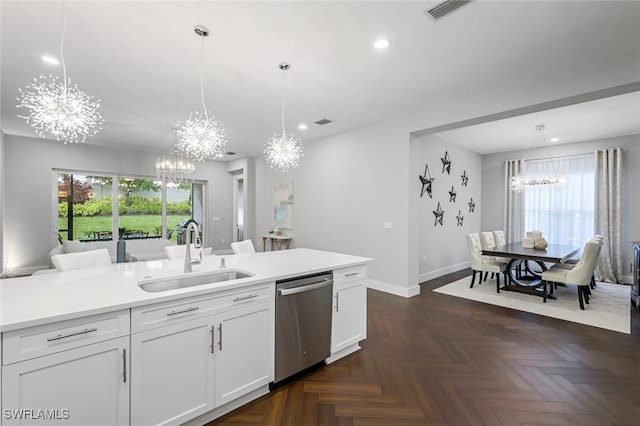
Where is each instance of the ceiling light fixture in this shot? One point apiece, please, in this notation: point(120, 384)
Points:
point(520, 182)
point(175, 167)
point(200, 137)
point(283, 151)
point(302, 126)
point(51, 60)
point(382, 43)
point(59, 107)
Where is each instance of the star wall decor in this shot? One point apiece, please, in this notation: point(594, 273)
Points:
point(460, 218)
point(465, 178)
point(472, 206)
point(446, 163)
point(452, 195)
point(439, 214)
point(426, 180)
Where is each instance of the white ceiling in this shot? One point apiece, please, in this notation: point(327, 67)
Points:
point(142, 60)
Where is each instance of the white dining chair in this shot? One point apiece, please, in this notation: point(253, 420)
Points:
point(489, 243)
point(580, 275)
point(81, 260)
point(498, 237)
point(480, 263)
point(245, 246)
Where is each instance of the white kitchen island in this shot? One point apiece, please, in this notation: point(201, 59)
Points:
point(91, 347)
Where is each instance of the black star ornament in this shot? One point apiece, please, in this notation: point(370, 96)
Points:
point(460, 218)
point(439, 214)
point(452, 195)
point(465, 178)
point(472, 206)
point(426, 180)
point(446, 163)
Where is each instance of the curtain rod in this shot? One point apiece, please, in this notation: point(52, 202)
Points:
point(564, 156)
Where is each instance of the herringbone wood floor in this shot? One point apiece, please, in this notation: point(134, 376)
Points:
point(439, 360)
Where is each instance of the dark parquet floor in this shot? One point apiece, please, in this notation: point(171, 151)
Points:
point(439, 360)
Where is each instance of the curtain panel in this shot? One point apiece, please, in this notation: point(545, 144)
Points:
point(608, 213)
point(513, 203)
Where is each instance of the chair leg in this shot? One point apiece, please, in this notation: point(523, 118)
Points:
point(580, 298)
point(497, 278)
point(486, 274)
point(585, 294)
point(473, 278)
point(544, 291)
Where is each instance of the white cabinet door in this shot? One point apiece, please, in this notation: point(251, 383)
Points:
point(172, 373)
point(244, 351)
point(349, 320)
point(84, 386)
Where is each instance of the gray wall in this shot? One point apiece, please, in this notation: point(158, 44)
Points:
point(493, 185)
point(29, 193)
point(345, 188)
point(443, 248)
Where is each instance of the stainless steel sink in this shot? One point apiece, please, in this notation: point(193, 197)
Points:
point(173, 283)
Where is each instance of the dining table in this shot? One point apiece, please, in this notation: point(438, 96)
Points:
point(525, 266)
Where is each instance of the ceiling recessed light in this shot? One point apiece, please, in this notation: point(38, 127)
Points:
point(382, 43)
point(51, 60)
point(554, 139)
point(302, 126)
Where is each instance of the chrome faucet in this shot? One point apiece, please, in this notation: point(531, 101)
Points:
point(188, 261)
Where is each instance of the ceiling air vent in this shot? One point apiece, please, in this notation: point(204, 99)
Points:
point(444, 8)
point(323, 122)
point(230, 153)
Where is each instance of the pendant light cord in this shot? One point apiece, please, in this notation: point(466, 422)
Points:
point(283, 71)
point(64, 27)
point(204, 107)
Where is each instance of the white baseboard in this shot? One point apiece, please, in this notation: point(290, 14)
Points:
point(443, 271)
point(393, 289)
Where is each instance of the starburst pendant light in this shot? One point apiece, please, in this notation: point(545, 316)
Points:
point(200, 137)
point(520, 182)
point(59, 108)
point(283, 151)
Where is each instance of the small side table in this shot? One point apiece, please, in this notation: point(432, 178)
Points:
point(279, 238)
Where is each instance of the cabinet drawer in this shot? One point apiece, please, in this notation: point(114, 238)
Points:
point(33, 342)
point(347, 275)
point(175, 311)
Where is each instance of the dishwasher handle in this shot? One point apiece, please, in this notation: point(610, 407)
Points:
point(303, 288)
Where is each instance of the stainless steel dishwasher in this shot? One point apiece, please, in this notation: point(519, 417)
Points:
point(303, 323)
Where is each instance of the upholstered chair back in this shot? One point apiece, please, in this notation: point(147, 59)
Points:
point(583, 271)
point(488, 243)
point(81, 260)
point(498, 237)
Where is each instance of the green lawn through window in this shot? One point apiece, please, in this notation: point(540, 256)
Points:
point(84, 226)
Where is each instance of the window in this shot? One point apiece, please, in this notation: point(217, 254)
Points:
point(86, 204)
point(565, 216)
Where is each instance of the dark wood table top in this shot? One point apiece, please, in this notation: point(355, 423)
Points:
point(554, 253)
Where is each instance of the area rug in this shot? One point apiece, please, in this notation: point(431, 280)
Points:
point(608, 306)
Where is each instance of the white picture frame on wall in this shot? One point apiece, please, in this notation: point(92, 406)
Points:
point(283, 205)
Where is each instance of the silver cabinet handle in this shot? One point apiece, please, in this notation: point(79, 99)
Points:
point(337, 301)
point(352, 274)
point(213, 338)
point(220, 336)
point(75, 333)
point(251, 296)
point(124, 365)
point(182, 311)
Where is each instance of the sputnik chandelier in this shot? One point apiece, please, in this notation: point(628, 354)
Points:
point(283, 151)
point(520, 182)
point(58, 107)
point(200, 137)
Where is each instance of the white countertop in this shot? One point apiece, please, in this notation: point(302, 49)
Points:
point(46, 298)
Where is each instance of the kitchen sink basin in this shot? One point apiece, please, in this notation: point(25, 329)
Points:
point(174, 283)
